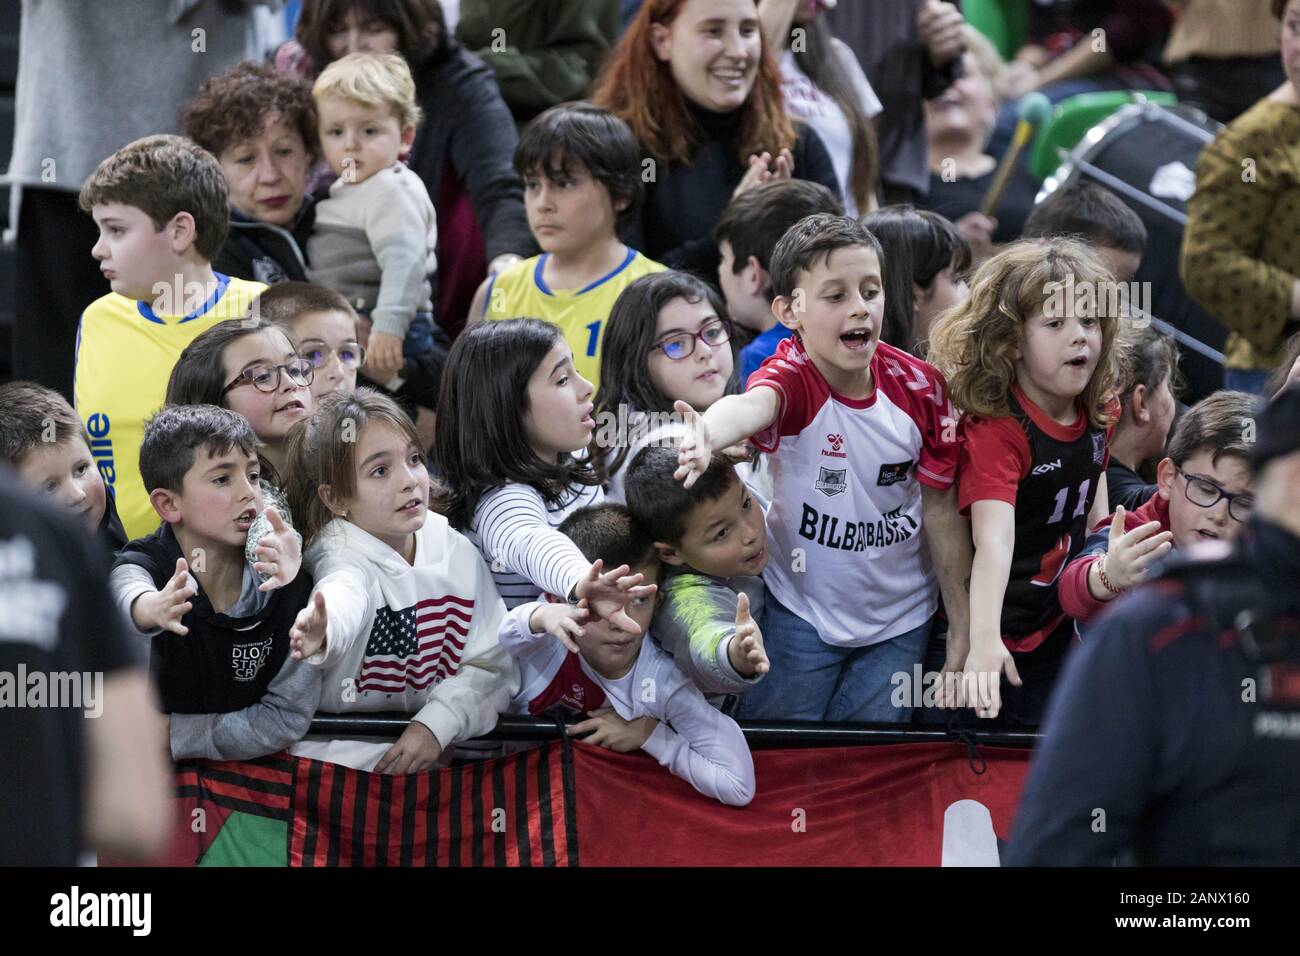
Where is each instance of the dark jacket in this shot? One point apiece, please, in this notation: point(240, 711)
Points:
point(223, 664)
point(684, 202)
point(1173, 737)
point(261, 252)
point(468, 130)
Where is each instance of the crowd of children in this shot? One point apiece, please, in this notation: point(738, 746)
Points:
point(656, 503)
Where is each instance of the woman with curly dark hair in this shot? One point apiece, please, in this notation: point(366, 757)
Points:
point(261, 126)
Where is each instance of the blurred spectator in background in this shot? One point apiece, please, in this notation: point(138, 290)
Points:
point(1240, 259)
point(1111, 43)
point(85, 766)
point(463, 148)
point(911, 51)
point(543, 52)
point(1222, 55)
point(824, 86)
point(958, 126)
point(92, 78)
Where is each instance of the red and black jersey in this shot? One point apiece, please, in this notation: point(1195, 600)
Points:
point(1050, 473)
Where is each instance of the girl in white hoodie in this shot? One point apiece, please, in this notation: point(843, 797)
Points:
point(405, 615)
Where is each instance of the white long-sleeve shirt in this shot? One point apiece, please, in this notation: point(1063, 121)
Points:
point(418, 637)
point(693, 740)
point(516, 533)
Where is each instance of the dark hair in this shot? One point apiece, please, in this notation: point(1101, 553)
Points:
point(608, 533)
point(663, 505)
point(813, 238)
point(284, 302)
point(233, 106)
point(420, 26)
point(918, 245)
point(175, 434)
point(754, 222)
point(1091, 212)
point(1146, 356)
point(481, 443)
point(586, 135)
point(163, 176)
point(27, 411)
point(624, 353)
point(1279, 8)
point(323, 451)
point(823, 63)
point(1217, 424)
point(199, 377)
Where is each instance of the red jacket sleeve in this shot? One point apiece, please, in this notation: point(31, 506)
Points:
point(1072, 590)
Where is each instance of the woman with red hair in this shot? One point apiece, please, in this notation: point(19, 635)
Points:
point(703, 96)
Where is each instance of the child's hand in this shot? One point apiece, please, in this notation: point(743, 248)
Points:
point(612, 732)
point(608, 594)
point(1130, 553)
point(383, 357)
point(416, 751)
point(560, 621)
point(308, 631)
point(954, 663)
point(982, 678)
point(696, 450)
point(746, 651)
point(279, 553)
point(163, 610)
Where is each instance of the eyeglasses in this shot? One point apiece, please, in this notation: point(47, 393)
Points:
point(266, 378)
point(1206, 494)
point(682, 345)
point(350, 355)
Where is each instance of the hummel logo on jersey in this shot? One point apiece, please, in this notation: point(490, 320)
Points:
point(837, 443)
point(1049, 466)
point(893, 474)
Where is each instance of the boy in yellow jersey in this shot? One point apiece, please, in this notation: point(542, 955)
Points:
point(162, 210)
point(581, 169)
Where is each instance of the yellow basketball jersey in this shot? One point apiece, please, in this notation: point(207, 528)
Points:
point(521, 292)
point(125, 354)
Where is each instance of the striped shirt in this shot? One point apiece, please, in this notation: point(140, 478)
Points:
point(516, 533)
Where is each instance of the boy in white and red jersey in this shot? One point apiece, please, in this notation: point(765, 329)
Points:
point(863, 453)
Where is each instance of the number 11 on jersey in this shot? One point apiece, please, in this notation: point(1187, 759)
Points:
point(1059, 511)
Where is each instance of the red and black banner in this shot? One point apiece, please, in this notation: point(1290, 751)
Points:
point(566, 804)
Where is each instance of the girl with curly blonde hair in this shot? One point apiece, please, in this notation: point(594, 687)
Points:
point(1030, 359)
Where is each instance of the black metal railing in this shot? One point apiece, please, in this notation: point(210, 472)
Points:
point(760, 734)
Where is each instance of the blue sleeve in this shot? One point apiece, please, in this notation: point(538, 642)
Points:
point(1091, 775)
